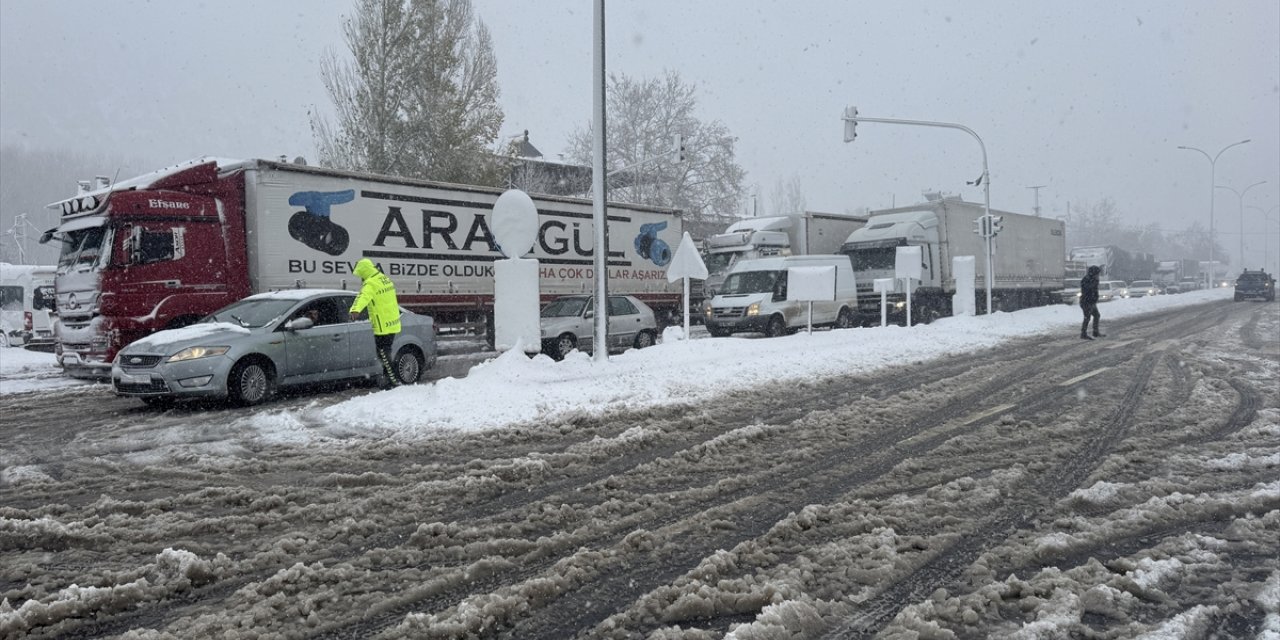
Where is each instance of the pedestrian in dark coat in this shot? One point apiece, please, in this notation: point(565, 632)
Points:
point(1089, 302)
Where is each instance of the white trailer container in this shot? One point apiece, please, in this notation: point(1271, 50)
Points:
point(1028, 258)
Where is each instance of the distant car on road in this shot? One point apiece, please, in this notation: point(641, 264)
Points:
point(246, 350)
point(1190, 284)
point(1109, 290)
point(1143, 288)
point(568, 323)
point(1255, 284)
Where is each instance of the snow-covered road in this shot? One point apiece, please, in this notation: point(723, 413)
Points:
point(1028, 486)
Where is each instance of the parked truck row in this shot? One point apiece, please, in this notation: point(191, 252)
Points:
point(162, 250)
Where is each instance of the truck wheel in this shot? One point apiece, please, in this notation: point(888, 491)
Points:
point(408, 364)
point(563, 345)
point(777, 327)
point(720, 332)
point(844, 319)
point(644, 339)
point(249, 383)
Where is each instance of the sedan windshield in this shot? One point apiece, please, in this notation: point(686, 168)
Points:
point(252, 313)
point(750, 282)
point(565, 307)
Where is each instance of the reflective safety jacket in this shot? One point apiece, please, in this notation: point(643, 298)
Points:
point(378, 294)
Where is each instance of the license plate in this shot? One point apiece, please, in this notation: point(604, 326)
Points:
point(128, 378)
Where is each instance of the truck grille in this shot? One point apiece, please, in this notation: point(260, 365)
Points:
point(139, 362)
point(728, 313)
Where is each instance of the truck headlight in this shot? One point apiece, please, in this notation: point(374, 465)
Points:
point(706, 309)
point(192, 353)
point(753, 309)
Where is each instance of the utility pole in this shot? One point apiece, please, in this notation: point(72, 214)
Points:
point(1037, 189)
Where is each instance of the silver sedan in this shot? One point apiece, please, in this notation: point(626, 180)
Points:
point(568, 323)
point(244, 351)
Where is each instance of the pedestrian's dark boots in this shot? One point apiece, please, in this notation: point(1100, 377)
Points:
point(1085, 336)
point(1099, 335)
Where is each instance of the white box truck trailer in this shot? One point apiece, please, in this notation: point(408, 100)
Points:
point(1028, 258)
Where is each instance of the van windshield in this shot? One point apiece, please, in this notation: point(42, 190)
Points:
point(752, 282)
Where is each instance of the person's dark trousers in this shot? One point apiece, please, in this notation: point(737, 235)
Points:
point(384, 357)
point(1090, 311)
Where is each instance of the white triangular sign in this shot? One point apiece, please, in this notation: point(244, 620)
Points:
point(687, 262)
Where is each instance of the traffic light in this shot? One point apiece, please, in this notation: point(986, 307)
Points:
point(682, 154)
point(850, 123)
point(977, 225)
point(997, 223)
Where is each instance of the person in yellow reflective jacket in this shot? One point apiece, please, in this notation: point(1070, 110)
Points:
point(378, 295)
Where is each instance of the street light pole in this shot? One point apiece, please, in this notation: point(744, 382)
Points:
point(1240, 201)
point(1037, 189)
point(1213, 167)
point(851, 115)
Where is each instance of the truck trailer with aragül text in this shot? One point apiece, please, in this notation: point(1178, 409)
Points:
point(162, 250)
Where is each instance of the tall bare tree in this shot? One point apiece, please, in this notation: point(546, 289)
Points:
point(418, 96)
point(644, 116)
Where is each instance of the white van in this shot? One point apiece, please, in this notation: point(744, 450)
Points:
point(754, 297)
point(26, 303)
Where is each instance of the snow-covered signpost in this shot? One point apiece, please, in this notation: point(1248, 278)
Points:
point(964, 302)
point(806, 284)
point(907, 266)
point(686, 263)
point(883, 286)
point(515, 290)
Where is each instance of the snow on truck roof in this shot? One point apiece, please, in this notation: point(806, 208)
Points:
point(226, 165)
point(147, 179)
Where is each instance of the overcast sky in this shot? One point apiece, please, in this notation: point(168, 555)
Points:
point(1089, 98)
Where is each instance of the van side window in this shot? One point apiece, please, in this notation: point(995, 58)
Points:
point(44, 298)
point(11, 298)
point(146, 246)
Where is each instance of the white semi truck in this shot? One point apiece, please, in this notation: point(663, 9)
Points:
point(1028, 258)
point(808, 233)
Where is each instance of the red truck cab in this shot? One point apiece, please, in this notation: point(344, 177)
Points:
point(158, 252)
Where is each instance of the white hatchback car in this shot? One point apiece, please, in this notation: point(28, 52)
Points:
point(1143, 288)
point(568, 323)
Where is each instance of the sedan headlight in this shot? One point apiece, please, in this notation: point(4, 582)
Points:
point(192, 353)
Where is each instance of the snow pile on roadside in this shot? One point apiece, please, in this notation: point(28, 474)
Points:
point(512, 388)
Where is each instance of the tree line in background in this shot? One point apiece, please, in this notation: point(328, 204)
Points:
point(1101, 223)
